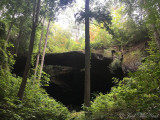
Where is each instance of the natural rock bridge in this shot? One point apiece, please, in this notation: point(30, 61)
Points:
point(67, 75)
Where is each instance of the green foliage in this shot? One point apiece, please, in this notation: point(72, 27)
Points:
point(36, 104)
point(19, 25)
point(45, 79)
point(126, 30)
point(99, 37)
point(60, 40)
point(97, 45)
point(134, 95)
point(77, 46)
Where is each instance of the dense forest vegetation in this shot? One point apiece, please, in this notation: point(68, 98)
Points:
point(128, 31)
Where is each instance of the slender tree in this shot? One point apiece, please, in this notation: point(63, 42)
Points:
point(36, 10)
point(39, 52)
point(87, 57)
point(45, 45)
point(9, 31)
point(52, 9)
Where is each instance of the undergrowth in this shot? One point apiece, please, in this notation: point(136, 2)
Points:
point(36, 104)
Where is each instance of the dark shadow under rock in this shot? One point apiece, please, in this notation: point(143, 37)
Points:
point(67, 75)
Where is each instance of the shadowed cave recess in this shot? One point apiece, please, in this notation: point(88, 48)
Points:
point(66, 72)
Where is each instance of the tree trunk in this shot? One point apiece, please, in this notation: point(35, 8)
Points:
point(87, 57)
point(43, 55)
point(10, 28)
point(5, 65)
point(159, 7)
point(39, 52)
point(9, 32)
point(27, 66)
point(156, 36)
point(18, 41)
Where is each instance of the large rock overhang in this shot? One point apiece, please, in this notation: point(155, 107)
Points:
point(67, 85)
